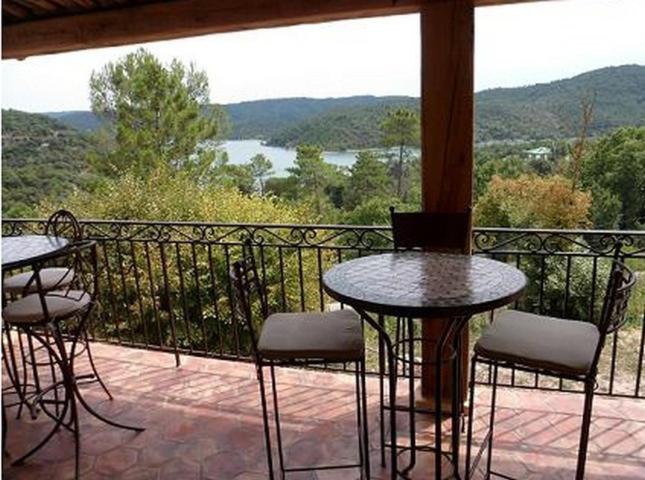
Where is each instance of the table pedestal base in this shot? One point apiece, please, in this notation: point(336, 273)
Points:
point(427, 402)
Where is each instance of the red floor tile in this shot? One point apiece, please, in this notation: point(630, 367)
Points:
point(203, 421)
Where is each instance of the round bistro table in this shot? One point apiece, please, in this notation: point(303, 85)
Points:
point(18, 252)
point(23, 250)
point(426, 286)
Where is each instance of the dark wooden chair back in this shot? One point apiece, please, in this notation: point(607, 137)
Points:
point(438, 232)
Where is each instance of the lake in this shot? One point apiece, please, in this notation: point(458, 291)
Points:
point(241, 151)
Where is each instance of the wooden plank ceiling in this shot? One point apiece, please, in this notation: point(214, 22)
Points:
point(32, 27)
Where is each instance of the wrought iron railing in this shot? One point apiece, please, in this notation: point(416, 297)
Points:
point(165, 285)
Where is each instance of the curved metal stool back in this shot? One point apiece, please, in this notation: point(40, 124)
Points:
point(62, 223)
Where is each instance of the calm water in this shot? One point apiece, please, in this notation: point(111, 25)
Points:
point(241, 151)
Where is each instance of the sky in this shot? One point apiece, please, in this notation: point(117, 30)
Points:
point(514, 45)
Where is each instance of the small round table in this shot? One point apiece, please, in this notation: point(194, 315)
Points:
point(18, 252)
point(427, 286)
point(23, 250)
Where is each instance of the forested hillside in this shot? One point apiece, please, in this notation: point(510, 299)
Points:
point(266, 119)
point(544, 111)
point(165, 135)
point(79, 119)
point(552, 109)
point(40, 158)
point(343, 128)
point(549, 110)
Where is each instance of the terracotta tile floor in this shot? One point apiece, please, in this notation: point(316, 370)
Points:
point(203, 421)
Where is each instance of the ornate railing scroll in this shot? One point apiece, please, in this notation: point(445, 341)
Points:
point(164, 285)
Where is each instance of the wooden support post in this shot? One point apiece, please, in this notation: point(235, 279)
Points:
point(447, 72)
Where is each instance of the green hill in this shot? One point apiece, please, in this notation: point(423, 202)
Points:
point(82, 120)
point(552, 109)
point(543, 111)
point(266, 119)
point(548, 110)
point(40, 157)
point(343, 128)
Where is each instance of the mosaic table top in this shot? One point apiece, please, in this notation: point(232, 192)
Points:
point(423, 284)
point(22, 250)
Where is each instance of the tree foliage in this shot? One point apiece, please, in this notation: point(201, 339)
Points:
point(157, 113)
point(533, 202)
point(315, 180)
point(400, 131)
point(614, 172)
point(40, 158)
point(368, 179)
point(162, 195)
point(261, 168)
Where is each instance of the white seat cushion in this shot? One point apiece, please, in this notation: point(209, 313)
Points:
point(60, 304)
point(51, 278)
point(536, 341)
point(333, 336)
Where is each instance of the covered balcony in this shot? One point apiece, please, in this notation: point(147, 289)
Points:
point(177, 359)
point(176, 355)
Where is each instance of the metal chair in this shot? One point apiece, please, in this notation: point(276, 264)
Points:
point(60, 224)
point(435, 232)
point(55, 318)
point(517, 340)
point(299, 339)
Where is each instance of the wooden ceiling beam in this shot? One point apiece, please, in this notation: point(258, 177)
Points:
point(14, 10)
point(184, 18)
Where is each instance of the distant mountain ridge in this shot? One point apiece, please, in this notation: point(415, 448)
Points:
point(268, 118)
point(549, 110)
point(546, 110)
point(83, 120)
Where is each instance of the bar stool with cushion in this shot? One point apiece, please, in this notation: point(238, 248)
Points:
point(550, 346)
point(299, 339)
point(57, 320)
point(60, 224)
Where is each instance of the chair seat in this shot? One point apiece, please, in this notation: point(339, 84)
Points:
point(51, 278)
point(60, 304)
point(536, 341)
point(331, 336)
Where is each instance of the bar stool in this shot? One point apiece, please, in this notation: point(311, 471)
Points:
point(52, 318)
point(61, 223)
point(299, 339)
point(549, 346)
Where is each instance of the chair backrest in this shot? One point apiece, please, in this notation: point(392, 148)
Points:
point(614, 309)
point(81, 261)
point(63, 223)
point(248, 289)
point(439, 232)
point(619, 289)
